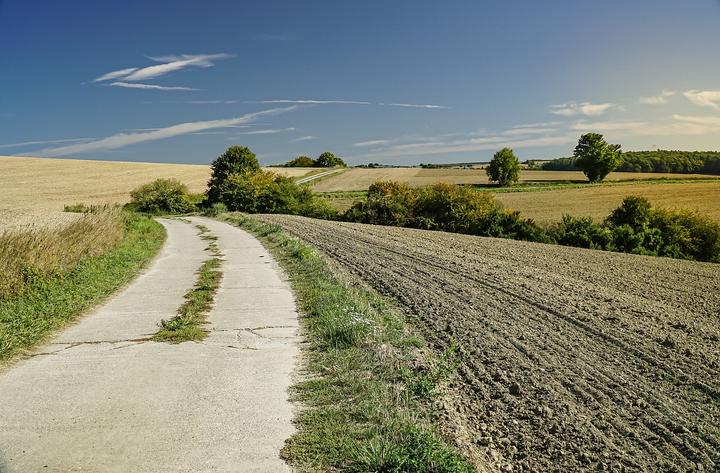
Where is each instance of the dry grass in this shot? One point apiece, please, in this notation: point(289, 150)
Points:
point(34, 185)
point(597, 202)
point(31, 254)
point(358, 179)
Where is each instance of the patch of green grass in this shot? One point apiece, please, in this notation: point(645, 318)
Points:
point(370, 383)
point(51, 302)
point(187, 324)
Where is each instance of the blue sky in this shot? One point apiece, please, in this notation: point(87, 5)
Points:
point(400, 82)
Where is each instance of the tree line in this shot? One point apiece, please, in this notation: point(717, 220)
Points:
point(665, 161)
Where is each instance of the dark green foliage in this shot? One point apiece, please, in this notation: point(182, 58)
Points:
point(634, 211)
point(687, 162)
point(443, 207)
point(300, 162)
point(162, 196)
point(328, 160)
point(266, 192)
point(581, 232)
point(236, 160)
point(504, 168)
point(596, 157)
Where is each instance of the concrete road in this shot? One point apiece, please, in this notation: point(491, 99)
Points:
point(102, 398)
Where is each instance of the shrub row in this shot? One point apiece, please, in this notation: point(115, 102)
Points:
point(634, 227)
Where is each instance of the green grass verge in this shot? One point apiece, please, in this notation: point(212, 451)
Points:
point(187, 324)
point(370, 383)
point(53, 302)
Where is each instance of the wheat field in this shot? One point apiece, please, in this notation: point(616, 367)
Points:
point(34, 190)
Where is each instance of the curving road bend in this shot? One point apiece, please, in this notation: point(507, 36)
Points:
point(102, 397)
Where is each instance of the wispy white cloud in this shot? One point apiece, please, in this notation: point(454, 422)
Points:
point(168, 64)
point(311, 102)
point(129, 85)
point(415, 105)
point(121, 140)
point(657, 99)
point(581, 108)
point(271, 131)
point(212, 102)
point(116, 74)
point(704, 98)
point(303, 138)
point(43, 142)
point(363, 144)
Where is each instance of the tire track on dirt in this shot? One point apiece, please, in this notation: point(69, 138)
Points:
point(564, 363)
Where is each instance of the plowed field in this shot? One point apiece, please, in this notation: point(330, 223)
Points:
point(571, 359)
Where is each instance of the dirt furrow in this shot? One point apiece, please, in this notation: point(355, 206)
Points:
point(571, 359)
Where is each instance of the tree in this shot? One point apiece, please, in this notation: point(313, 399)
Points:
point(504, 167)
point(300, 162)
point(328, 160)
point(236, 160)
point(596, 157)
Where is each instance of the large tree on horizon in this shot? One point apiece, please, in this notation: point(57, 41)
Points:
point(596, 157)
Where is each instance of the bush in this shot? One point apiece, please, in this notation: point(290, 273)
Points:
point(596, 157)
point(451, 208)
point(267, 192)
point(634, 211)
point(162, 196)
point(581, 232)
point(387, 203)
point(328, 160)
point(235, 160)
point(504, 167)
point(301, 162)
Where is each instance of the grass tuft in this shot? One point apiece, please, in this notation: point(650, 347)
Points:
point(187, 324)
point(371, 385)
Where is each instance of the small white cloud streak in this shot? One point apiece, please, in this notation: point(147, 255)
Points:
point(658, 99)
point(121, 140)
point(268, 132)
point(128, 85)
point(42, 142)
point(416, 105)
point(312, 102)
point(580, 108)
point(169, 64)
point(704, 98)
point(116, 74)
point(362, 144)
point(303, 138)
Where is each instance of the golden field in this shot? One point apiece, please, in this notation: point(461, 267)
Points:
point(358, 179)
point(598, 201)
point(31, 188)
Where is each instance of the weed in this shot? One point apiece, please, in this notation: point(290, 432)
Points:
point(187, 324)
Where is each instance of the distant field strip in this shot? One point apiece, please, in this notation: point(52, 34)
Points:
point(315, 177)
point(358, 179)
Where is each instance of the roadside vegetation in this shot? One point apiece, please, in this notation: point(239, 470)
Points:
point(161, 197)
point(49, 277)
point(187, 324)
point(371, 386)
